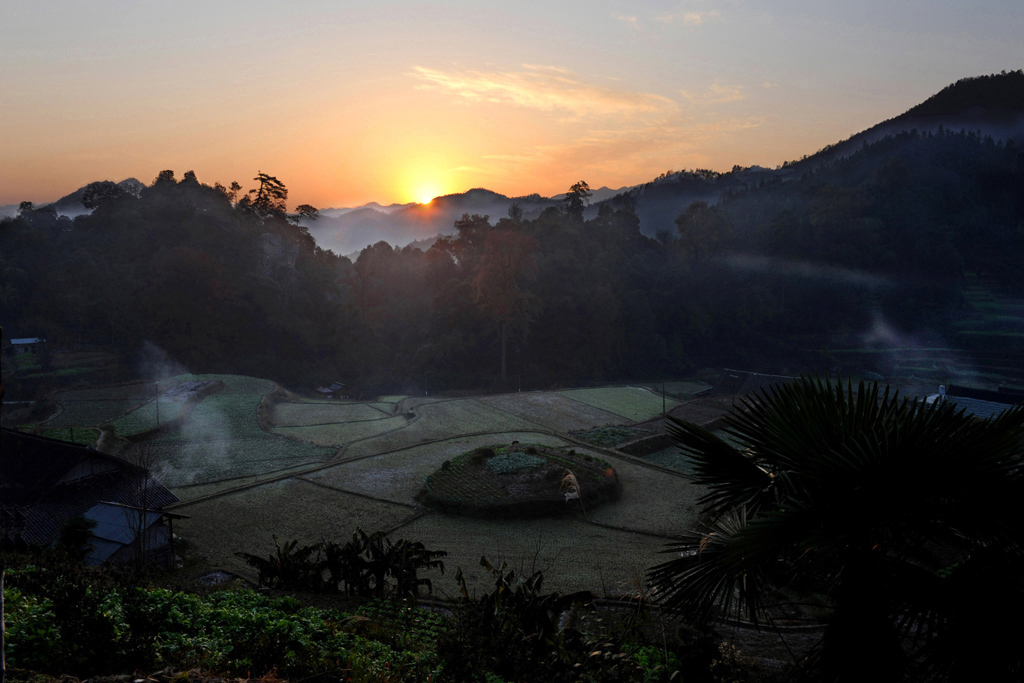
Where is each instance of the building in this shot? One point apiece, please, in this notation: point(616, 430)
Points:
point(44, 483)
point(980, 403)
point(26, 345)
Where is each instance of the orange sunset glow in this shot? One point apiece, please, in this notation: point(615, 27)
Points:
point(348, 104)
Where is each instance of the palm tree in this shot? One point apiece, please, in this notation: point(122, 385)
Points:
point(904, 511)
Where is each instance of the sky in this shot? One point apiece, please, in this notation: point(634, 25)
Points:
point(348, 102)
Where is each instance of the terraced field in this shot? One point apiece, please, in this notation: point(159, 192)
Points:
point(305, 414)
point(554, 411)
point(248, 520)
point(94, 407)
point(398, 475)
point(341, 433)
point(573, 554)
point(442, 420)
point(630, 403)
point(240, 484)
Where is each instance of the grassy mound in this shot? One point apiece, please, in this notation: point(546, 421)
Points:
point(521, 480)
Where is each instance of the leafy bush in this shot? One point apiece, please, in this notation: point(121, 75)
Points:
point(363, 565)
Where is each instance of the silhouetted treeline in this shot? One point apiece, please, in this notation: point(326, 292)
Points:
point(763, 278)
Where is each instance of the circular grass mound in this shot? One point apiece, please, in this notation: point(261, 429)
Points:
point(521, 481)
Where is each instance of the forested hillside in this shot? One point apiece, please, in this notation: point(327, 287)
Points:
point(770, 277)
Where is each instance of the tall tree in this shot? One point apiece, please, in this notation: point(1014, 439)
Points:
point(267, 200)
point(702, 231)
point(576, 200)
point(505, 261)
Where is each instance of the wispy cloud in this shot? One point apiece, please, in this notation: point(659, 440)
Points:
point(467, 169)
point(629, 20)
point(545, 88)
point(688, 18)
point(628, 150)
point(715, 94)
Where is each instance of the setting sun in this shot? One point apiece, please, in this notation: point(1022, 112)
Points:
point(426, 195)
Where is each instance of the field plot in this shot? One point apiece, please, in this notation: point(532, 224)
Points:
point(93, 407)
point(147, 416)
point(193, 491)
point(343, 432)
point(306, 414)
point(651, 501)
point(397, 398)
point(574, 555)
point(554, 411)
point(225, 416)
point(683, 388)
point(180, 464)
point(444, 420)
point(247, 520)
point(222, 437)
point(671, 457)
point(701, 411)
point(90, 413)
point(399, 476)
point(631, 403)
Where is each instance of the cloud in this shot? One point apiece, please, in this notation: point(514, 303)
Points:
point(688, 18)
point(545, 88)
point(626, 151)
point(467, 169)
point(628, 20)
point(715, 94)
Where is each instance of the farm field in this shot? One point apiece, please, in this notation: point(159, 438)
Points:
point(686, 389)
point(631, 403)
point(671, 457)
point(572, 554)
point(241, 485)
point(443, 420)
point(193, 491)
point(90, 413)
point(305, 414)
point(340, 433)
point(182, 463)
point(651, 501)
point(94, 407)
point(222, 437)
point(554, 411)
point(247, 520)
point(399, 475)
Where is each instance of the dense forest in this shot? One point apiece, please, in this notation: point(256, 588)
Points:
point(768, 276)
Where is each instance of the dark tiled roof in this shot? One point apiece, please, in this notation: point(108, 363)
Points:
point(31, 469)
point(977, 407)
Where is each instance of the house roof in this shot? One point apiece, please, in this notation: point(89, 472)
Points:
point(27, 340)
point(35, 483)
point(978, 407)
point(119, 523)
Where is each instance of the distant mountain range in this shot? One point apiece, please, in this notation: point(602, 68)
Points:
point(992, 105)
point(349, 230)
point(70, 205)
